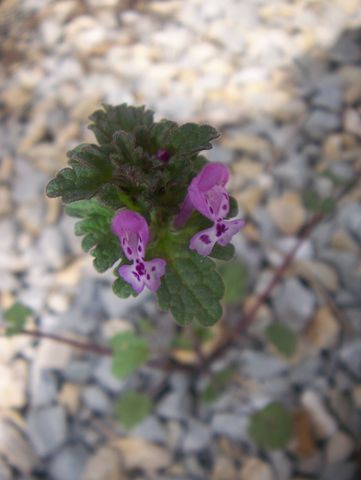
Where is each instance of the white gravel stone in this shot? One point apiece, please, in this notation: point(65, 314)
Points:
point(339, 448)
point(47, 429)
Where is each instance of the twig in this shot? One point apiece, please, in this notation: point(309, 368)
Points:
point(250, 314)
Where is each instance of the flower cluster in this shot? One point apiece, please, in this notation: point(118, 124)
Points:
point(207, 195)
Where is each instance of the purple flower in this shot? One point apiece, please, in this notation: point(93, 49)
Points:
point(133, 232)
point(207, 194)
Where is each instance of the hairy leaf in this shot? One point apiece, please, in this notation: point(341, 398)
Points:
point(223, 253)
point(121, 117)
point(191, 287)
point(96, 228)
point(132, 408)
point(271, 427)
point(234, 276)
point(282, 338)
point(191, 138)
point(16, 317)
point(129, 352)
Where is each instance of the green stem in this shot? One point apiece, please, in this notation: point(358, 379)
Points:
point(124, 198)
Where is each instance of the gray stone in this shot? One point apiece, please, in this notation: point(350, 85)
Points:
point(320, 123)
point(174, 405)
point(350, 217)
point(261, 366)
point(95, 399)
point(306, 371)
point(151, 430)
point(230, 425)
point(51, 247)
point(29, 182)
point(347, 48)
point(47, 429)
point(340, 471)
point(78, 371)
point(294, 304)
point(281, 465)
point(329, 97)
point(43, 387)
point(350, 355)
point(69, 463)
point(86, 312)
point(197, 437)
point(104, 376)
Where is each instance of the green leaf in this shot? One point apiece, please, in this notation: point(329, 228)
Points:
point(223, 253)
point(122, 289)
point(96, 228)
point(282, 338)
point(191, 287)
point(234, 276)
point(191, 138)
point(271, 427)
point(216, 384)
point(129, 352)
point(121, 117)
point(312, 201)
point(16, 317)
point(132, 408)
point(91, 168)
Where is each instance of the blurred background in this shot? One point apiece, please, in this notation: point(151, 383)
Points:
point(281, 80)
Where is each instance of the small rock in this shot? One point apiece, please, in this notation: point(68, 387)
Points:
point(103, 375)
point(356, 396)
point(261, 366)
point(12, 384)
point(294, 304)
point(223, 469)
point(95, 399)
point(43, 387)
point(339, 448)
point(68, 463)
point(329, 97)
point(287, 212)
point(104, 465)
point(281, 465)
point(69, 397)
point(5, 471)
point(139, 454)
point(16, 448)
point(174, 405)
point(320, 123)
point(350, 355)
point(324, 423)
point(78, 371)
point(197, 438)
point(321, 272)
point(230, 425)
point(47, 429)
point(324, 329)
point(340, 471)
point(151, 430)
point(352, 122)
point(256, 469)
point(53, 356)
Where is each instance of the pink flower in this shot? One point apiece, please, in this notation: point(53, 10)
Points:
point(207, 194)
point(133, 232)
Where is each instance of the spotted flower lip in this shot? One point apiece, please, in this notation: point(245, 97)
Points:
point(133, 232)
point(208, 195)
point(211, 175)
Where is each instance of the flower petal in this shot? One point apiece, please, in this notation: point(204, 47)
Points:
point(203, 241)
point(206, 191)
point(131, 276)
point(185, 212)
point(230, 228)
point(133, 232)
point(155, 269)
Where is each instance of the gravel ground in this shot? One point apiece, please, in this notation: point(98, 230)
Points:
point(282, 82)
